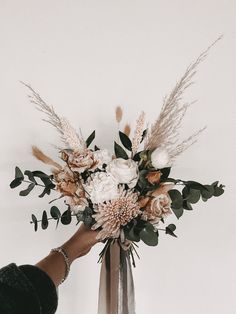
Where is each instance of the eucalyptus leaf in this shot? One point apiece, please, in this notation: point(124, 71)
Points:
point(132, 235)
point(178, 212)
point(40, 174)
point(177, 199)
point(195, 185)
point(165, 173)
point(137, 157)
point(148, 235)
point(16, 182)
point(55, 212)
point(208, 193)
point(87, 216)
point(30, 175)
point(18, 173)
point(44, 222)
point(143, 135)
point(35, 222)
point(28, 190)
point(187, 205)
point(45, 191)
point(185, 192)
point(125, 141)
point(90, 138)
point(194, 196)
point(218, 191)
point(66, 217)
point(120, 152)
point(170, 230)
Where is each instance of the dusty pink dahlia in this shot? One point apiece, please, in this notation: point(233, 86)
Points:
point(114, 214)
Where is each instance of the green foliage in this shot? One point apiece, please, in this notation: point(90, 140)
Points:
point(19, 177)
point(195, 185)
point(35, 222)
point(137, 157)
point(90, 138)
point(28, 190)
point(87, 216)
point(120, 152)
point(66, 217)
point(165, 173)
point(44, 222)
point(30, 176)
point(187, 205)
point(143, 135)
point(46, 180)
point(170, 230)
point(193, 190)
point(55, 214)
point(125, 141)
point(177, 199)
point(218, 189)
point(18, 174)
point(148, 235)
point(132, 231)
point(133, 235)
point(15, 183)
point(177, 202)
point(208, 193)
point(191, 195)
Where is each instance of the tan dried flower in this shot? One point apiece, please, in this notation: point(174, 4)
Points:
point(158, 207)
point(154, 177)
point(138, 133)
point(37, 153)
point(80, 161)
point(156, 204)
point(119, 114)
point(127, 129)
point(65, 181)
point(114, 214)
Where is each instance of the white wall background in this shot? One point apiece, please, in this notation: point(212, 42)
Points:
point(85, 57)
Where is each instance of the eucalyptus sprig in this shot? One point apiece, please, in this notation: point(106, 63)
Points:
point(47, 181)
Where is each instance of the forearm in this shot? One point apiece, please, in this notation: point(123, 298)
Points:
point(78, 245)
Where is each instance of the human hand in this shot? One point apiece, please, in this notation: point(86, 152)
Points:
point(80, 243)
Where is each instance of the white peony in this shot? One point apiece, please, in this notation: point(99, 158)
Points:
point(160, 158)
point(102, 157)
point(124, 171)
point(101, 187)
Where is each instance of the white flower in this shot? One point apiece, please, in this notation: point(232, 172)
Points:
point(124, 171)
point(76, 204)
point(160, 158)
point(102, 157)
point(101, 187)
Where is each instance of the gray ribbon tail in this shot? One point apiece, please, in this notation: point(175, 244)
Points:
point(116, 291)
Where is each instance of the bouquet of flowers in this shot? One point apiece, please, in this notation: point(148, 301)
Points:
point(127, 195)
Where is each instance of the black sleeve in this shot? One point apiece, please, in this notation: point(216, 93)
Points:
point(26, 290)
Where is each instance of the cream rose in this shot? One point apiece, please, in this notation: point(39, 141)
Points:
point(160, 158)
point(101, 187)
point(124, 171)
